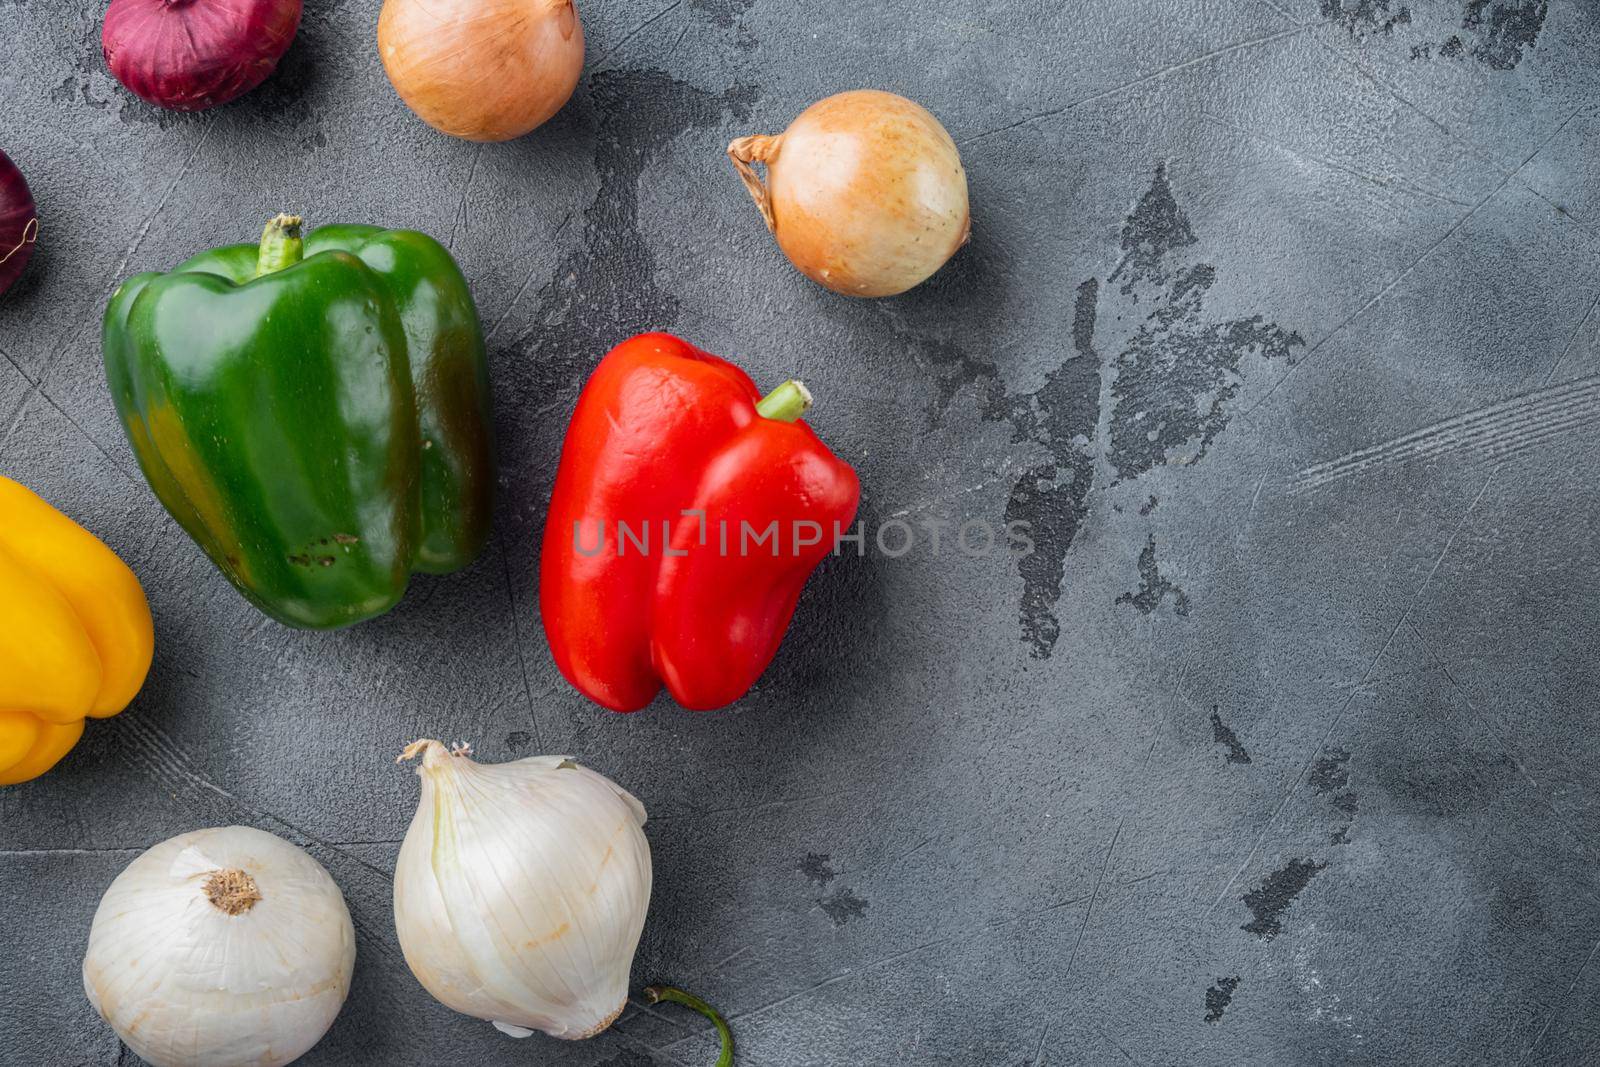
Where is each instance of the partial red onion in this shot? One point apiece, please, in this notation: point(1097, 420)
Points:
point(19, 223)
point(189, 55)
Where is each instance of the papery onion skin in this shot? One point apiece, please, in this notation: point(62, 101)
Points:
point(188, 55)
point(520, 891)
point(19, 223)
point(482, 70)
point(865, 192)
point(251, 976)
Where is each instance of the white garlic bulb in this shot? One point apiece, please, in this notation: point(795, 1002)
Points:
point(521, 890)
point(220, 948)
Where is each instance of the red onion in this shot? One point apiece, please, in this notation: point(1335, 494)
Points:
point(19, 224)
point(189, 55)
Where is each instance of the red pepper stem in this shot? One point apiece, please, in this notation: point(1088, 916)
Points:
point(281, 245)
point(787, 402)
point(657, 993)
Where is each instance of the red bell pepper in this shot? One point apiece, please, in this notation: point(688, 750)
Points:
point(687, 514)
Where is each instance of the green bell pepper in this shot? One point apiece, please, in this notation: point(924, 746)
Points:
point(315, 413)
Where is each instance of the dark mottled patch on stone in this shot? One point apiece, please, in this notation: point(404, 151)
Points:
point(1176, 374)
point(1218, 997)
point(842, 906)
point(91, 85)
point(1155, 227)
point(1494, 32)
point(1084, 305)
point(1517, 905)
point(1366, 17)
point(1449, 784)
point(1052, 509)
point(817, 868)
point(1052, 498)
point(1221, 734)
point(1268, 901)
point(728, 15)
point(1331, 771)
point(606, 290)
point(1153, 586)
point(519, 740)
point(1502, 29)
point(1149, 505)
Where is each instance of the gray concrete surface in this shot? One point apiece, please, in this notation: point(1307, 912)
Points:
point(1278, 323)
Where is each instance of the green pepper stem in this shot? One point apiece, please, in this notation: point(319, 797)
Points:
point(281, 245)
point(657, 993)
point(786, 403)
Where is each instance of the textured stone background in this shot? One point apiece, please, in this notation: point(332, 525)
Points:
point(1278, 323)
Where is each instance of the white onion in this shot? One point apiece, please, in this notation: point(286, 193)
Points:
point(225, 947)
point(521, 890)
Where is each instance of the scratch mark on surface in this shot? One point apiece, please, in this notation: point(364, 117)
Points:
point(516, 624)
point(460, 218)
point(37, 386)
point(1141, 80)
point(171, 767)
point(1495, 165)
point(920, 506)
point(1255, 497)
point(1503, 428)
point(1493, 732)
point(893, 957)
point(1311, 352)
point(119, 272)
point(22, 410)
point(149, 220)
point(1093, 896)
point(713, 968)
point(1572, 340)
point(526, 282)
point(1537, 1038)
point(641, 27)
point(1372, 665)
point(646, 1009)
point(1382, 183)
point(751, 809)
point(1038, 1051)
point(830, 981)
point(924, 843)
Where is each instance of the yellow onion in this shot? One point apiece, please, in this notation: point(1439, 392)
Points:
point(485, 70)
point(864, 192)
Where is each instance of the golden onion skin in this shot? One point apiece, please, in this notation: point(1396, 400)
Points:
point(482, 70)
point(865, 192)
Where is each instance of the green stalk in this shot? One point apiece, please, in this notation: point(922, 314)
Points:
point(657, 993)
point(281, 245)
point(786, 403)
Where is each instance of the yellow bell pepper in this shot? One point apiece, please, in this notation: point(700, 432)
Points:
point(75, 633)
